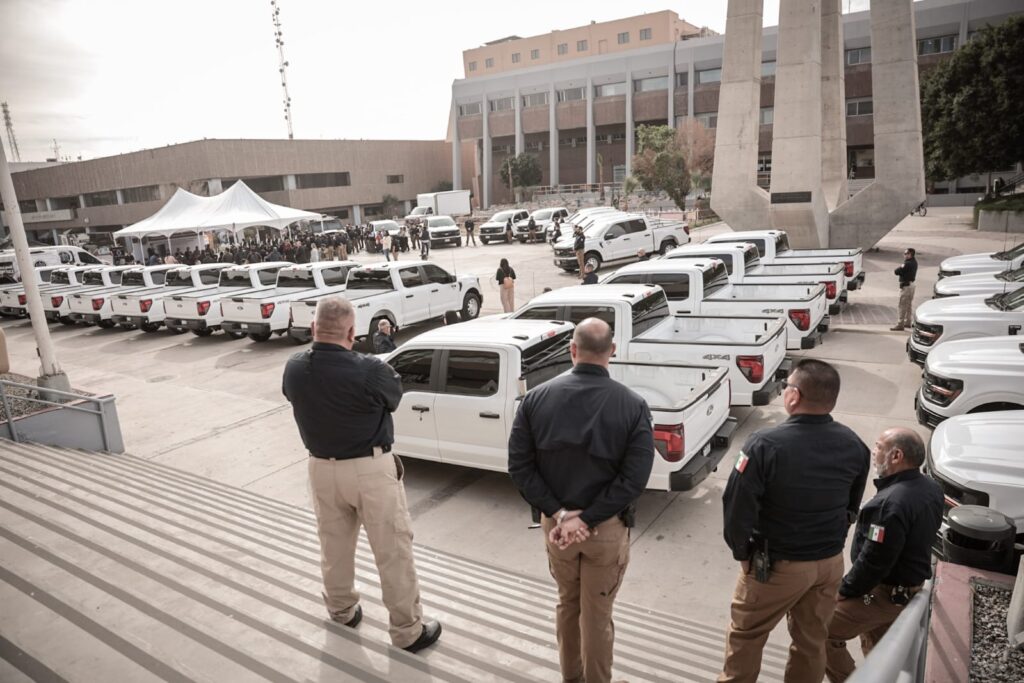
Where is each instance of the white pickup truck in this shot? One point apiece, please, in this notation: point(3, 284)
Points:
point(971, 376)
point(582, 218)
point(61, 255)
point(976, 460)
point(752, 349)
point(773, 246)
point(462, 385)
point(987, 262)
point(15, 289)
point(200, 311)
point(144, 308)
point(619, 236)
point(71, 280)
point(745, 268)
point(543, 221)
point(93, 307)
point(405, 293)
point(979, 283)
point(265, 312)
point(442, 230)
point(964, 317)
point(13, 300)
point(493, 230)
point(701, 287)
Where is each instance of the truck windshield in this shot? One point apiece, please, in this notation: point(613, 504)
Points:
point(370, 279)
point(542, 215)
point(650, 310)
point(295, 278)
point(501, 216)
point(442, 222)
point(1013, 301)
point(715, 277)
point(235, 278)
point(781, 243)
point(1015, 275)
point(546, 359)
point(1010, 254)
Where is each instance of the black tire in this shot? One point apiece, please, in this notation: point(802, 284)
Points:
point(259, 336)
point(451, 317)
point(470, 306)
point(592, 259)
point(666, 246)
point(483, 240)
point(202, 333)
point(106, 324)
point(237, 335)
point(149, 327)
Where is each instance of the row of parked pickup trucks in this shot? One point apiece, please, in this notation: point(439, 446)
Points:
point(968, 341)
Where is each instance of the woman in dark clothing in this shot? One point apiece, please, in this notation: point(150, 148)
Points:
point(506, 278)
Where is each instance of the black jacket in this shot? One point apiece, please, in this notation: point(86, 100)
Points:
point(895, 530)
point(907, 273)
point(383, 343)
point(581, 441)
point(579, 242)
point(501, 274)
point(342, 400)
point(798, 486)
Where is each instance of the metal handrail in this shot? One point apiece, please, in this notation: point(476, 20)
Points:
point(900, 654)
point(12, 430)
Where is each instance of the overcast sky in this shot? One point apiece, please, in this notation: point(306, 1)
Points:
point(111, 76)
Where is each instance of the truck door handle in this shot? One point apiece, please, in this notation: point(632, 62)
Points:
point(409, 296)
point(489, 415)
point(435, 290)
point(1014, 329)
point(421, 409)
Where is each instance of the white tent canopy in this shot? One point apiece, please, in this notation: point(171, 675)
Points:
point(235, 209)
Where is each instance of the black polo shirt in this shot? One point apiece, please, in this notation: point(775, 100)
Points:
point(342, 400)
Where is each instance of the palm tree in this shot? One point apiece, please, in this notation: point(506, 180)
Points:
point(629, 186)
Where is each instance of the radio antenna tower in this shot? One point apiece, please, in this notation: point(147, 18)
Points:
point(282, 65)
point(12, 141)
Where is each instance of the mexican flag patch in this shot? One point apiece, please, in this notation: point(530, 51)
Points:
point(876, 533)
point(741, 462)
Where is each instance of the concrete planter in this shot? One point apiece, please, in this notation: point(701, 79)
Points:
point(87, 422)
point(1001, 221)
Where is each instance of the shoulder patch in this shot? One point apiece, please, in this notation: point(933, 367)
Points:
point(741, 462)
point(876, 533)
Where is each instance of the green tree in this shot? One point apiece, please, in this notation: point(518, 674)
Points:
point(660, 163)
point(525, 171)
point(391, 205)
point(971, 111)
point(629, 186)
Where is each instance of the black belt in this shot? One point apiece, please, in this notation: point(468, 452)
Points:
point(383, 449)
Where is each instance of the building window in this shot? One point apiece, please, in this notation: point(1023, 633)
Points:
point(581, 46)
point(146, 193)
point(609, 89)
point(563, 48)
point(270, 183)
point(624, 38)
point(63, 203)
point(709, 76)
point(649, 84)
point(708, 120)
point(571, 94)
point(28, 205)
point(645, 34)
point(470, 109)
point(859, 55)
point(502, 149)
point(536, 99)
point(399, 179)
point(861, 106)
point(107, 198)
point(489, 63)
point(534, 54)
point(515, 57)
point(935, 46)
point(502, 104)
point(764, 163)
point(767, 69)
point(767, 116)
point(472, 66)
point(306, 181)
point(682, 79)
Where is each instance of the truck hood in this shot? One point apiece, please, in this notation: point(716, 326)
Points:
point(976, 283)
point(981, 449)
point(493, 224)
point(1003, 355)
point(973, 260)
point(565, 243)
point(957, 308)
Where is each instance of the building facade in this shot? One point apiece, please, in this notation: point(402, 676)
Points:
point(579, 114)
point(347, 179)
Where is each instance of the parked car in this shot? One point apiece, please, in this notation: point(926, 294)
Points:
point(200, 312)
point(543, 219)
point(71, 280)
point(61, 255)
point(493, 230)
point(462, 414)
point(443, 230)
point(939, 321)
point(979, 283)
point(144, 308)
point(14, 300)
point(93, 307)
point(619, 236)
point(987, 262)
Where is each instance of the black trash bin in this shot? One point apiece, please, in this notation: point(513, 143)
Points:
point(980, 537)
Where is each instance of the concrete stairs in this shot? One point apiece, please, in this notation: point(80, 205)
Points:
point(115, 568)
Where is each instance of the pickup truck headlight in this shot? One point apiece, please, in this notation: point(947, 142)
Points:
point(801, 317)
point(941, 390)
point(925, 334)
point(670, 441)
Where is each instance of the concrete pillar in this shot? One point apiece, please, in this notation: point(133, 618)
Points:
point(456, 149)
point(43, 204)
point(553, 136)
point(81, 201)
point(736, 197)
point(518, 111)
point(485, 191)
point(49, 204)
point(357, 214)
point(964, 17)
point(120, 196)
point(408, 206)
point(630, 128)
point(670, 113)
point(797, 203)
point(691, 76)
point(591, 132)
point(833, 106)
point(215, 186)
point(290, 182)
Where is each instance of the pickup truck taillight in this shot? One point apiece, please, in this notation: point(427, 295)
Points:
point(56, 301)
point(670, 441)
point(145, 305)
point(941, 390)
point(266, 310)
point(830, 289)
point(926, 335)
point(752, 368)
point(21, 299)
point(848, 265)
point(202, 307)
point(801, 317)
point(97, 304)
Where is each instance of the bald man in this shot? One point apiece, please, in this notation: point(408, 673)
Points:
point(891, 550)
point(581, 451)
point(342, 402)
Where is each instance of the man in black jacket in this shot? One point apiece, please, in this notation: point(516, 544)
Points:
point(791, 497)
point(907, 273)
point(581, 451)
point(892, 549)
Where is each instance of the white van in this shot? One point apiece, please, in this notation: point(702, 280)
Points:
point(63, 255)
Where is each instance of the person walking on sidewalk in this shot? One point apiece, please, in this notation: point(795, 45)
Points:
point(580, 451)
point(907, 274)
point(342, 403)
point(506, 279)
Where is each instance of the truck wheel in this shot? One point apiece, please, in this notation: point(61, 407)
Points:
point(236, 335)
point(450, 317)
point(202, 333)
point(666, 246)
point(593, 259)
point(470, 307)
point(106, 324)
point(149, 327)
point(483, 240)
point(259, 336)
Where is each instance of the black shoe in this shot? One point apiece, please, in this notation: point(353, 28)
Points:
point(354, 621)
point(431, 632)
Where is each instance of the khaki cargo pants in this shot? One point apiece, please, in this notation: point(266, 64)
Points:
point(853, 618)
point(906, 306)
point(366, 492)
point(588, 575)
